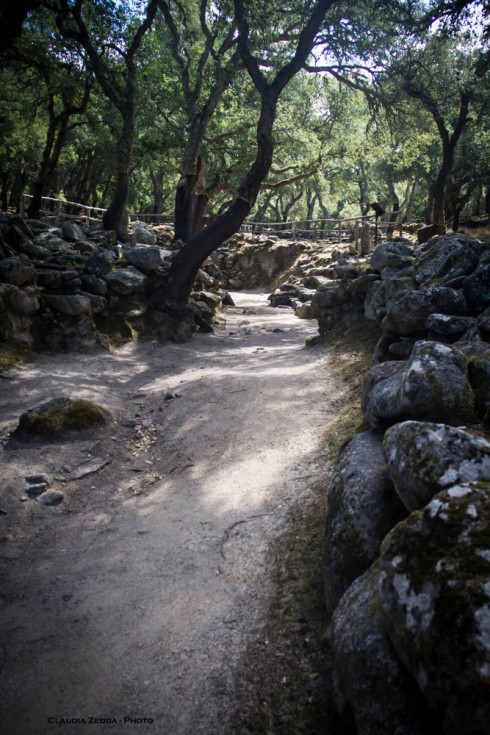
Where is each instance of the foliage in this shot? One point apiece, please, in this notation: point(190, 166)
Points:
point(344, 136)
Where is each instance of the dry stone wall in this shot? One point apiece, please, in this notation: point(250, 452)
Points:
point(407, 532)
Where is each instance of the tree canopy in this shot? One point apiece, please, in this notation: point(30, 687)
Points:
point(277, 110)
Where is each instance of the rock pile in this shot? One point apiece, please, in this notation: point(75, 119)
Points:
point(71, 287)
point(407, 535)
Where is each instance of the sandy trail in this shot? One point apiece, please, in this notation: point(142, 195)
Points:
point(136, 597)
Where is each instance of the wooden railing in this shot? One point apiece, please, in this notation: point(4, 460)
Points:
point(318, 230)
point(323, 230)
point(61, 208)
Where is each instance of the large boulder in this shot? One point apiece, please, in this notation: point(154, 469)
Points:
point(447, 260)
point(408, 314)
point(432, 385)
point(424, 458)
point(362, 507)
point(373, 689)
point(144, 257)
point(434, 598)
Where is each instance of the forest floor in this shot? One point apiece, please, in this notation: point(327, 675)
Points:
point(176, 590)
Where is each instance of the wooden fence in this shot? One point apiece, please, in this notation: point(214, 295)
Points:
point(318, 230)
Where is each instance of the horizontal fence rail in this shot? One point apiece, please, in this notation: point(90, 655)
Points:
point(317, 230)
point(60, 207)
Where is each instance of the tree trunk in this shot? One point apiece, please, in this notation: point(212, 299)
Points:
point(438, 194)
point(4, 199)
point(157, 186)
point(189, 259)
point(34, 210)
point(114, 217)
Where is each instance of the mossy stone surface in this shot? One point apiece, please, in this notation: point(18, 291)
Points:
point(434, 594)
point(59, 417)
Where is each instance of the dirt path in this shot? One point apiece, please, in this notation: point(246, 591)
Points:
point(137, 596)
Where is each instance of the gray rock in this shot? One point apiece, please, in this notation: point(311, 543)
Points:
point(446, 258)
point(58, 332)
point(449, 325)
point(476, 288)
point(8, 293)
point(205, 279)
point(304, 310)
point(434, 595)
point(479, 375)
point(71, 305)
point(408, 315)
point(94, 285)
point(305, 294)
point(213, 300)
point(392, 255)
point(375, 302)
point(17, 270)
point(26, 302)
point(50, 497)
point(362, 507)
point(424, 458)
point(21, 243)
point(101, 263)
point(362, 283)
point(58, 279)
point(373, 689)
point(142, 236)
point(314, 281)
point(330, 294)
point(281, 298)
point(145, 257)
point(432, 386)
point(71, 232)
point(126, 280)
point(42, 477)
point(98, 304)
point(173, 322)
point(483, 322)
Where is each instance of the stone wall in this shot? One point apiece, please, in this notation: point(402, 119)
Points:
point(407, 532)
point(72, 287)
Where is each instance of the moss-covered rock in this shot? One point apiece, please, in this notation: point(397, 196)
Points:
point(60, 417)
point(432, 385)
point(434, 594)
point(373, 689)
point(424, 458)
point(362, 507)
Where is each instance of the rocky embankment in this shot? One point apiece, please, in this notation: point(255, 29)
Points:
point(70, 287)
point(407, 535)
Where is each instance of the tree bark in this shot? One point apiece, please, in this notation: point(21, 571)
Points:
point(113, 218)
